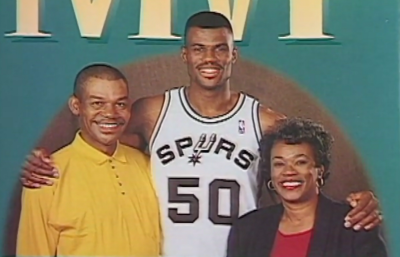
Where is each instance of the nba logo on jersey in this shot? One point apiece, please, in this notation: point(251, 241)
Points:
point(241, 127)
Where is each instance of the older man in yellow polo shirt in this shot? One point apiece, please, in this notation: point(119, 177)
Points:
point(104, 203)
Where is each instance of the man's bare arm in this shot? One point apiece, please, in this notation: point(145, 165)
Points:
point(133, 134)
point(145, 113)
point(269, 118)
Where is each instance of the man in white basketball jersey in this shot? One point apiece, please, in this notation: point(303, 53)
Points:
point(203, 142)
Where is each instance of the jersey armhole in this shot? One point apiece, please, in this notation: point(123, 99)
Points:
point(256, 120)
point(160, 119)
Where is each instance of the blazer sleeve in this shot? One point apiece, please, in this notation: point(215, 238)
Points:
point(370, 243)
point(234, 248)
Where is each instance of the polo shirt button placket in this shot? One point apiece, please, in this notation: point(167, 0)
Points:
point(113, 167)
point(116, 176)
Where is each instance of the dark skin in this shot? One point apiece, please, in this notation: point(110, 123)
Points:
point(296, 162)
point(103, 111)
point(209, 55)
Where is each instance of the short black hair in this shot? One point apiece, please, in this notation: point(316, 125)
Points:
point(295, 131)
point(207, 20)
point(96, 70)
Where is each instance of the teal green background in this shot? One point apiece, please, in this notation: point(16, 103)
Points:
point(356, 79)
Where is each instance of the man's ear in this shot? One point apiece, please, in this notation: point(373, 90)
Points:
point(74, 105)
point(184, 54)
point(235, 54)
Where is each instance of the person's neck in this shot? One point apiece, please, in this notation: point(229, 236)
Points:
point(300, 214)
point(210, 103)
point(106, 149)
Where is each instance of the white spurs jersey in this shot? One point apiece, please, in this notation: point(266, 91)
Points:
point(205, 172)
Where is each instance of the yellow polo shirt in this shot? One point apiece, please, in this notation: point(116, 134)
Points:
point(100, 206)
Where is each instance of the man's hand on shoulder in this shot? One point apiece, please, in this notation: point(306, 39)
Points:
point(365, 213)
point(37, 169)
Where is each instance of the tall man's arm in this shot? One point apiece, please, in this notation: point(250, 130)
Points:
point(133, 135)
point(365, 213)
point(145, 113)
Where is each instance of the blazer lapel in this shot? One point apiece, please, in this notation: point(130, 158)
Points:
point(322, 226)
point(267, 232)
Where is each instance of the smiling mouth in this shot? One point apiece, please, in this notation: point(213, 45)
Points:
point(109, 125)
point(209, 72)
point(291, 184)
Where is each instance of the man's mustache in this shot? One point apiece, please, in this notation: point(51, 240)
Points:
point(209, 65)
point(118, 121)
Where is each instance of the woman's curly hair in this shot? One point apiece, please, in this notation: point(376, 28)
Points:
point(295, 131)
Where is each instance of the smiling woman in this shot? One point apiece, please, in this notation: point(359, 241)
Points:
point(294, 185)
point(295, 159)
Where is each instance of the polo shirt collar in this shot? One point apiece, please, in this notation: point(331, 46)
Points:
point(96, 155)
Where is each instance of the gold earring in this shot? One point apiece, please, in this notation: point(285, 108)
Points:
point(270, 185)
point(320, 182)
